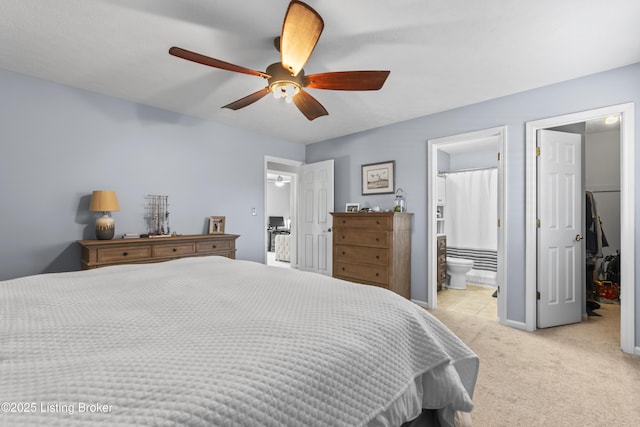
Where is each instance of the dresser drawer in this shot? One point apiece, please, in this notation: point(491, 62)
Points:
point(377, 239)
point(214, 246)
point(367, 255)
point(179, 249)
point(123, 253)
point(364, 221)
point(363, 272)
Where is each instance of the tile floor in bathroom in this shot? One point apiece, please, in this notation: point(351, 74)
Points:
point(476, 300)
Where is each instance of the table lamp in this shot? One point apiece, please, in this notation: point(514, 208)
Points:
point(105, 202)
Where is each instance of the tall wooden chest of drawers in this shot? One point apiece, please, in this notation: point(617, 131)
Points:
point(100, 253)
point(373, 248)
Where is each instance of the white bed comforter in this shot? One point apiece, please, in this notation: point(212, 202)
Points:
point(213, 341)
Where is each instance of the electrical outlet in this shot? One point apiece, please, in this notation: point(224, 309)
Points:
point(253, 211)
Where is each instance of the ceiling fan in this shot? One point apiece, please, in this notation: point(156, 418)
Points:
point(301, 30)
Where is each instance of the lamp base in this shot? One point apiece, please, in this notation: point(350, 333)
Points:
point(105, 228)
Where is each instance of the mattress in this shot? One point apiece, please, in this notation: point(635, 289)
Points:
point(215, 341)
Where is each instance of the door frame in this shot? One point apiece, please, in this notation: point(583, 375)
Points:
point(294, 205)
point(627, 214)
point(432, 173)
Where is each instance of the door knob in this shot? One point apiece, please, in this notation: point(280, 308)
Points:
point(578, 237)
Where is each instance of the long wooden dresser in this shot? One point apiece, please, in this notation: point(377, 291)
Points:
point(373, 248)
point(100, 253)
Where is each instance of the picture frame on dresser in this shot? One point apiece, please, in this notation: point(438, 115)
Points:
point(216, 225)
point(378, 178)
point(352, 207)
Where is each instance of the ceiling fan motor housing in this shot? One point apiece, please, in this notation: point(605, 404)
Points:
point(281, 78)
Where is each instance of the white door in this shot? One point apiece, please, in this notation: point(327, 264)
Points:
point(314, 218)
point(560, 216)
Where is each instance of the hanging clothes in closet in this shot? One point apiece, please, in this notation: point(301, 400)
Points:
point(595, 238)
point(595, 241)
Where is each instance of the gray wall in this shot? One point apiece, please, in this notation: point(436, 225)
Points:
point(406, 143)
point(57, 144)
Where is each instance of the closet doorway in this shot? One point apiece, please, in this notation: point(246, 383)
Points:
point(613, 192)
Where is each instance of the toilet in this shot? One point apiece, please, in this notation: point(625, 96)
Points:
point(457, 268)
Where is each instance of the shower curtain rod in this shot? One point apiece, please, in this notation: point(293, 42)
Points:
point(468, 170)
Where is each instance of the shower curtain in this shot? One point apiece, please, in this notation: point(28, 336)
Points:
point(471, 210)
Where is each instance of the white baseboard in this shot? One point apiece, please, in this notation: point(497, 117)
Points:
point(422, 304)
point(515, 325)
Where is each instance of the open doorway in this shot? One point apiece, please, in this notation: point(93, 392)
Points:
point(279, 197)
point(280, 212)
point(475, 158)
point(312, 201)
point(624, 193)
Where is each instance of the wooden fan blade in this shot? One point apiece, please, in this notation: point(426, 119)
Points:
point(301, 30)
point(247, 100)
point(212, 62)
point(347, 80)
point(309, 106)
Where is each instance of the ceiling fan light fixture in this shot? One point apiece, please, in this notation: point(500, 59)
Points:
point(284, 90)
point(282, 84)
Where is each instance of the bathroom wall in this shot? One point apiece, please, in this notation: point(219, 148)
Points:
point(474, 159)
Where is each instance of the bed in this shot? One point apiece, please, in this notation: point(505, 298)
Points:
point(215, 341)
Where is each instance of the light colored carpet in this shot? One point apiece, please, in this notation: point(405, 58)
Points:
point(574, 375)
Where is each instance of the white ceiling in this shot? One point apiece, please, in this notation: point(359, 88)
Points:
point(442, 53)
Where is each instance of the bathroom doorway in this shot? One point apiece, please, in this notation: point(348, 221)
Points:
point(480, 150)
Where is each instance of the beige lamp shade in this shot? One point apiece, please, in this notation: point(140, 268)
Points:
point(104, 201)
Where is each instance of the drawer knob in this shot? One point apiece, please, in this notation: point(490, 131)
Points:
point(377, 239)
point(377, 256)
point(378, 222)
point(213, 246)
point(175, 249)
point(344, 253)
point(377, 274)
point(125, 253)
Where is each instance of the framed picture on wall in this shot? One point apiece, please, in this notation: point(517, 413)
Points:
point(378, 178)
point(216, 224)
